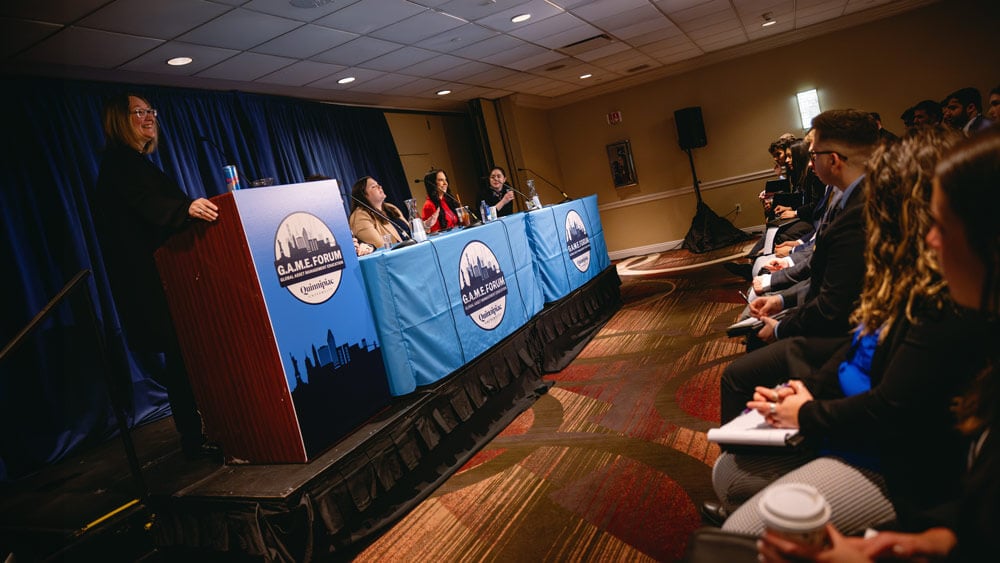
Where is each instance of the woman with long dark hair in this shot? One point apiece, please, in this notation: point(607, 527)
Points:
point(436, 212)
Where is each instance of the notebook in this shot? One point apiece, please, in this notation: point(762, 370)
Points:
point(750, 429)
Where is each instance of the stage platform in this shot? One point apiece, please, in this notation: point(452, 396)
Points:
point(89, 507)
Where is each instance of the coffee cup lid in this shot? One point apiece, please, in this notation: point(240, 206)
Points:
point(794, 507)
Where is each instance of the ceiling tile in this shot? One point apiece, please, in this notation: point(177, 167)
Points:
point(456, 38)
point(652, 36)
point(246, 67)
point(365, 17)
point(593, 54)
point(240, 29)
point(304, 42)
point(471, 11)
point(300, 73)
point(162, 20)
point(601, 9)
point(496, 76)
point(285, 9)
point(360, 75)
point(439, 64)
point(399, 59)
point(421, 26)
point(542, 59)
point(557, 31)
point(540, 10)
point(387, 83)
point(420, 87)
point(514, 54)
point(646, 16)
point(52, 12)
point(488, 47)
point(701, 10)
point(18, 35)
point(155, 61)
point(89, 48)
point(359, 50)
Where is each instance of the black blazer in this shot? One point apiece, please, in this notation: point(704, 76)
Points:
point(837, 270)
point(905, 418)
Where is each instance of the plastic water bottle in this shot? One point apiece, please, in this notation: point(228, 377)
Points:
point(533, 194)
point(484, 212)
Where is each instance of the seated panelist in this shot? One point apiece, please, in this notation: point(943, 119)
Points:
point(437, 214)
point(497, 194)
point(372, 218)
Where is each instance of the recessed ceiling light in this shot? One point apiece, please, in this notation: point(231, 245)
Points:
point(768, 20)
point(179, 61)
point(520, 18)
point(443, 92)
point(585, 76)
point(346, 80)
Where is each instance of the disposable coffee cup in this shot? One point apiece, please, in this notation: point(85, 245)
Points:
point(796, 512)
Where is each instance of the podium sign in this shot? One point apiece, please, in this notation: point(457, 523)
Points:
point(274, 323)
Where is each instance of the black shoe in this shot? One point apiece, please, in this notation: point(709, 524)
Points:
point(742, 270)
point(713, 514)
point(201, 449)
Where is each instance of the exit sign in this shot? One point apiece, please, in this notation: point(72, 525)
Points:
point(614, 118)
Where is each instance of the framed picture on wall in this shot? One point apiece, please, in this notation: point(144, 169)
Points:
point(622, 166)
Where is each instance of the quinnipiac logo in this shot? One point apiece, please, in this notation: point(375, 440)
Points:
point(307, 258)
point(484, 289)
point(577, 241)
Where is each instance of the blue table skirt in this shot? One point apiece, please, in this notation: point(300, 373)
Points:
point(416, 296)
point(567, 241)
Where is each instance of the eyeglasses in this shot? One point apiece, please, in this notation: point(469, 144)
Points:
point(814, 154)
point(141, 112)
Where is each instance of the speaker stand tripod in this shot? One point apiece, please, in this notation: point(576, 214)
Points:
point(709, 231)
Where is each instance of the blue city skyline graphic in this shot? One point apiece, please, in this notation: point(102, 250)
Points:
point(577, 241)
point(480, 278)
point(306, 256)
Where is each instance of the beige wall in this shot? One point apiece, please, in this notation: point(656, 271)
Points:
point(884, 66)
point(441, 141)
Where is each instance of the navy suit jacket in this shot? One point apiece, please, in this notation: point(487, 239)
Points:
point(837, 272)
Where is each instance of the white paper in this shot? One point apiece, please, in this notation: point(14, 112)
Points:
point(752, 430)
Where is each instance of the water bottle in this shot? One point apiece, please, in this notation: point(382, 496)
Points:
point(417, 231)
point(484, 212)
point(533, 194)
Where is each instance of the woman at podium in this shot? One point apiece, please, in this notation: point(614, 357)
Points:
point(437, 215)
point(372, 218)
point(139, 208)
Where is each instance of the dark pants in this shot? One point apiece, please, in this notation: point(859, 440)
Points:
point(797, 357)
point(172, 374)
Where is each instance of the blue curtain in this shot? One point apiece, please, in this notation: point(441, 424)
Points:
point(52, 397)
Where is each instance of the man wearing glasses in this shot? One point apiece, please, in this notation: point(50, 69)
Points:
point(843, 140)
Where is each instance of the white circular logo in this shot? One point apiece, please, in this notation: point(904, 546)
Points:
point(307, 258)
point(483, 286)
point(577, 241)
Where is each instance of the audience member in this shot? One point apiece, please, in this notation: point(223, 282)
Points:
point(842, 142)
point(496, 193)
point(437, 214)
point(962, 109)
point(966, 237)
point(883, 133)
point(907, 117)
point(372, 217)
point(993, 105)
point(927, 112)
point(869, 405)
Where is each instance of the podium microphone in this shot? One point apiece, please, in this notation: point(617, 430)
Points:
point(405, 234)
point(542, 178)
point(225, 156)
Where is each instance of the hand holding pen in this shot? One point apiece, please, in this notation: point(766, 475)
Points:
point(780, 405)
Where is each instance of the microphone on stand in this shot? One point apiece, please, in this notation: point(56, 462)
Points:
point(224, 155)
point(542, 178)
point(405, 235)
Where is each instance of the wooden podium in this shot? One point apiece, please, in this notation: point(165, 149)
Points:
point(274, 324)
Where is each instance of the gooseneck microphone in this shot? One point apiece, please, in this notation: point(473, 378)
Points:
point(225, 156)
point(405, 234)
point(513, 189)
point(544, 179)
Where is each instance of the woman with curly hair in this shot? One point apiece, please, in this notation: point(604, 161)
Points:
point(966, 237)
point(876, 438)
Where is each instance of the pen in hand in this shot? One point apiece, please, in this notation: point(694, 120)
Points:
point(744, 296)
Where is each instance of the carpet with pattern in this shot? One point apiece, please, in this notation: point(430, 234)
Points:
point(613, 462)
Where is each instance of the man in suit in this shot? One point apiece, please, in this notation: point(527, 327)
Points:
point(842, 143)
point(963, 109)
